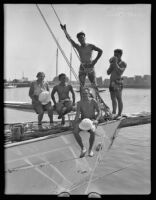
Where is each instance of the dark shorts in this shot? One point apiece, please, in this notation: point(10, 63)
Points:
point(61, 104)
point(116, 85)
point(39, 108)
point(87, 70)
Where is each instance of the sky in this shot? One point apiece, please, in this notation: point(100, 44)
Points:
point(29, 46)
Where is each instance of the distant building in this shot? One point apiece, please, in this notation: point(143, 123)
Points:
point(125, 80)
point(138, 80)
point(147, 80)
point(106, 82)
point(130, 81)
point(24, 79)
point(99, 81)
point(147, 77)
point(133, 82)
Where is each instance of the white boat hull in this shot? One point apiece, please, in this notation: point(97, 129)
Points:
point(51, 164)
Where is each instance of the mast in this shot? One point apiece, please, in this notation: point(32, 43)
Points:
point(70, 63)
point(57, 62)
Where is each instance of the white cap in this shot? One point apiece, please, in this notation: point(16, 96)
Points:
point(44, 97)
point(87, 124)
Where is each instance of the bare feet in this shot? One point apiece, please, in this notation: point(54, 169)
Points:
point(90, 153)
point(117, 117)
point(83, 152)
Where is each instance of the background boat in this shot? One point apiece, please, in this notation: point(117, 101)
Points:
point(10, 86)
point(100, 90)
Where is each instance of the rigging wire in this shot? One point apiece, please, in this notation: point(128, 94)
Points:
point(107, 174)
point(61, 24)
point(66, 59)
point(99, 154)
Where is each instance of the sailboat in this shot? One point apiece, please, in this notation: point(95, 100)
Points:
point(46, 161)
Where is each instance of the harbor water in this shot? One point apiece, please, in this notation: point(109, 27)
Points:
point(135, 100)
point(130, 153)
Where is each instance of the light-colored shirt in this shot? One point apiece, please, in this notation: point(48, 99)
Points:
point(36, 88)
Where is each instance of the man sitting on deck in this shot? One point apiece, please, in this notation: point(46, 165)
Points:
point(87, 107)
point(65, 105)
point(40, 95)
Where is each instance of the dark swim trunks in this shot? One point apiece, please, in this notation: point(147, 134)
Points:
point(39, 108)
point(87, 70)
point(116, 85)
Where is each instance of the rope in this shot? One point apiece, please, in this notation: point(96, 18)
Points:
point(96, 163)
point(66, 59)
point(60, 24)
point(98, 156)
point(113, 172)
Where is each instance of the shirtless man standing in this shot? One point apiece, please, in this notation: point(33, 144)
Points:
point(64, 105)
point(115, 70)
point(85, 51)
point(86, 107)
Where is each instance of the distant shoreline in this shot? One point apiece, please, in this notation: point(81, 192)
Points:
point(133, 87)
point(127, 87)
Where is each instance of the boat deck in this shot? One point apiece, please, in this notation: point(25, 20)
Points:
point(17, 132)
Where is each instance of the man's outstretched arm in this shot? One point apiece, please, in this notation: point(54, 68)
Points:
point(68, 36)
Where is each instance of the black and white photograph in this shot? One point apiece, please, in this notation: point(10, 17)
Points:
point(77, 99)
